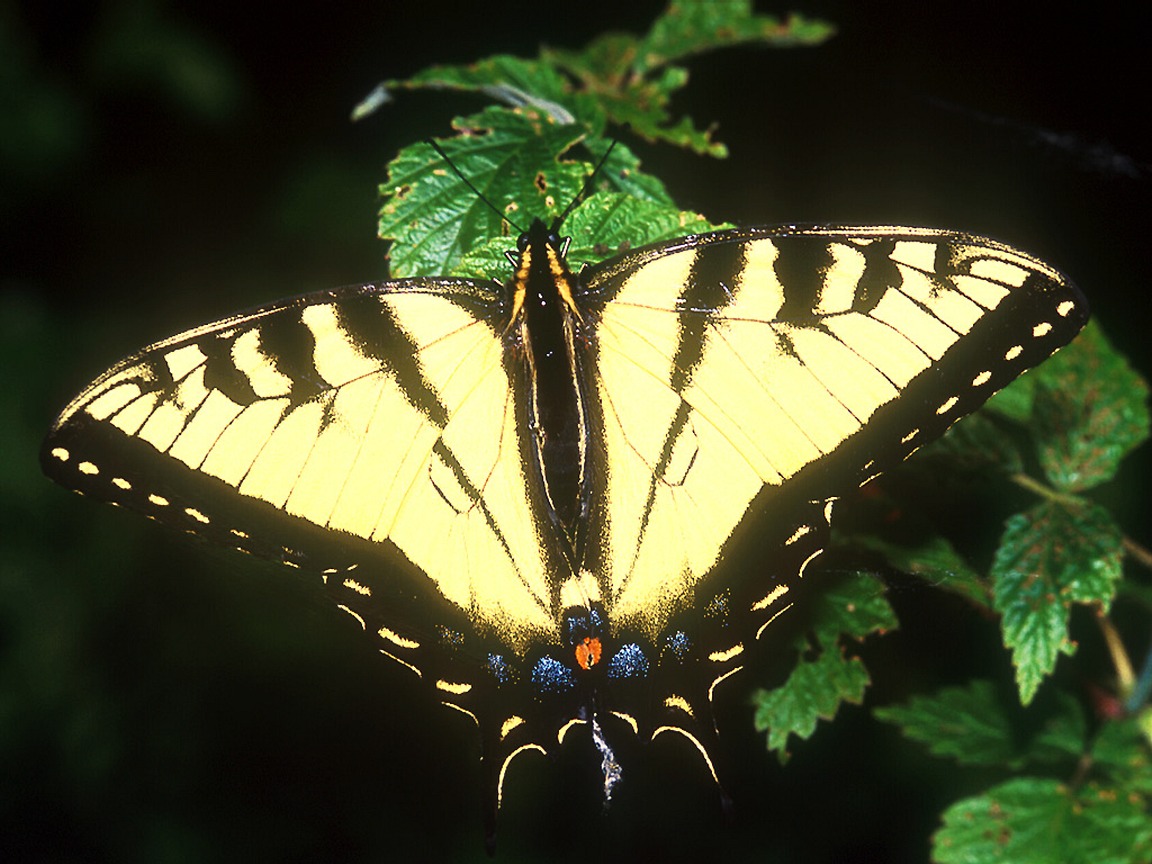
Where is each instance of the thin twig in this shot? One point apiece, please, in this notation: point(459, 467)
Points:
point(1125, 673)
point(1138, 553)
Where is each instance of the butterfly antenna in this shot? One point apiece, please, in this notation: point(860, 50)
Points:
point(585, 192)
point(472, 186)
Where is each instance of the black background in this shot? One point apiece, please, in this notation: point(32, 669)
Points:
point(167, 164)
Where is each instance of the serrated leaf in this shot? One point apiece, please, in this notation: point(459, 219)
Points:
point(968, 724)
point(694, 26)
point(609, 223)
point(1064, 735)
point(513, 81)
point(818, 684)
point(621, 172)
point(936, 561)
point(1120, 748)
point(854, 607)
point(605, 224)
point(510, 157)
point(1040, 821)
point(1050, 557)
point(1091, 409)
point(633, 83)
point(974, 726)
point(812, 692)
point(613, 90)
point(618, 77)
point(441, 227)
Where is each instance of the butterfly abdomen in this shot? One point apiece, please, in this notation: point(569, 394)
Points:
point(557, 415)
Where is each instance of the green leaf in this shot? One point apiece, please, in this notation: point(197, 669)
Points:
point(854, 607)
point(432, 215)
point(1039, 821)
point(1063, 737)
point(1050, 557)
point(515, 159)
point(513, 81)
point(612, 89)
point(1121, 750)
point(516, 156)
point(975, 726)
point(817, 685)
point(978, 444)
point(1091, 410)
point(605, 224)
point(968, 724)
point(694, 26)
point(621, 171)
point(812, 692)
point(935, 560)
point(1015, 401)
point(614, 222)
point(632, 81)
point(618, 78)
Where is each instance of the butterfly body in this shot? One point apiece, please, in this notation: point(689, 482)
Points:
point(548, 322)
point(530, 496)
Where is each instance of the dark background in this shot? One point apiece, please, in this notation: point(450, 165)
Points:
point(163, 164)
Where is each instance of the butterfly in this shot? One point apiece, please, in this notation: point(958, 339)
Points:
point(524, 493)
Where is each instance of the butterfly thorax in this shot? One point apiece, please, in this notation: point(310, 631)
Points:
point(546, 315)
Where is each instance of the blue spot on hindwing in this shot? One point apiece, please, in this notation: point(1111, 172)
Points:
point(719, 606)
point(498, 666)
point(678, 645)
point(449, 638)
point(549, 675)
point(628, 662)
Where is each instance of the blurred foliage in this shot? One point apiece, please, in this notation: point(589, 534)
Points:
point(50, 121)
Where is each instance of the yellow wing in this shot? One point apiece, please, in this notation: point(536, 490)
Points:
point(384, 416)
point(733, 382)
point(743, 369)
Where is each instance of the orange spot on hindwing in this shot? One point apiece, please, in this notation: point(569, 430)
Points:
point(588, 652)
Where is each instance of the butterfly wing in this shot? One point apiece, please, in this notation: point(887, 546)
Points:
point(364, 426)
point(765, 372)
point(381, 435)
